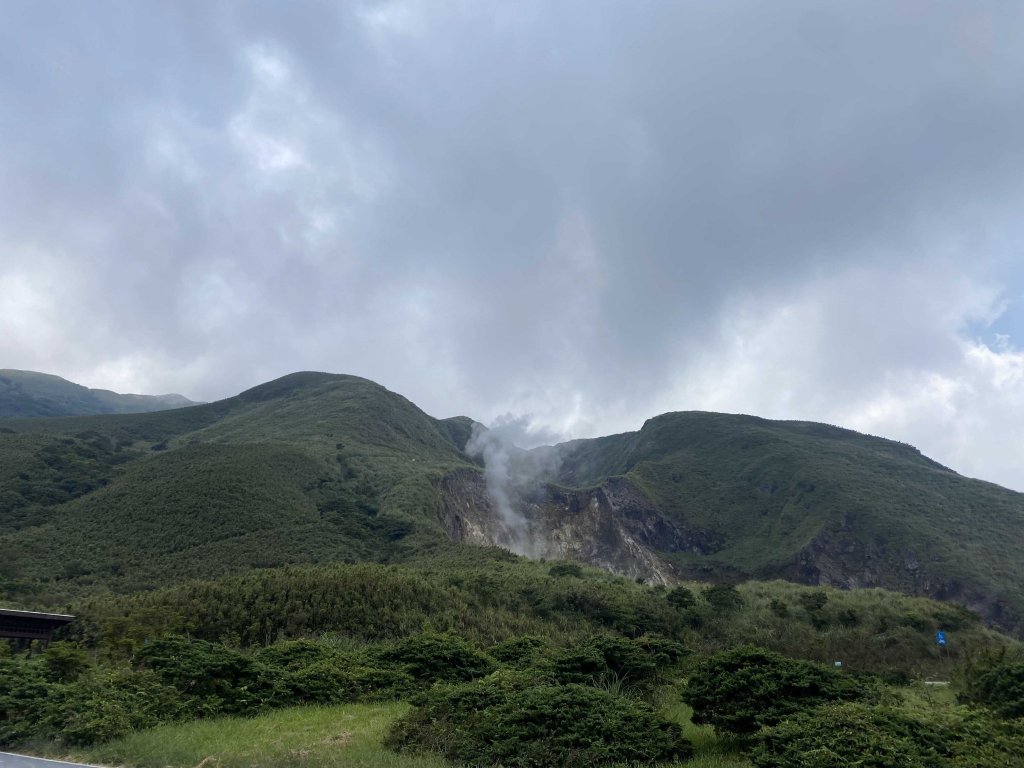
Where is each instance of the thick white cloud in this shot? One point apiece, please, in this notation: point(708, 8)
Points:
point(586, 212)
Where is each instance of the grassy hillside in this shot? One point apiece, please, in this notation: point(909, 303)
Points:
point(31, 394)
point(816, 503)
point(309, 468)
point(316, 468)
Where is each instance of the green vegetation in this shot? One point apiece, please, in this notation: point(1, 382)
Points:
point(310, 468)
point(31, 394)
point(522, 725)
point(995, 680)
point(347, 736)
point(317, 468)
point(806, 501)
point(745, 689)
point(281, 558)
point(890, 737)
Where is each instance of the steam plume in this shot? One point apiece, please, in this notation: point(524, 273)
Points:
point(512, 474)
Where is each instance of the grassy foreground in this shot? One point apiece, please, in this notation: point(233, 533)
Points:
point(298, 737)
point(317, 737)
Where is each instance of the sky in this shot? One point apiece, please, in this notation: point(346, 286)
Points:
point(563, 216)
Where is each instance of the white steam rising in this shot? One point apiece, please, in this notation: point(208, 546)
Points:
point(512, 474)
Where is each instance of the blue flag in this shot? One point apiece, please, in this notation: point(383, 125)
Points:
point(940, 638)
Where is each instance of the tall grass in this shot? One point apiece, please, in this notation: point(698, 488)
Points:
point(300, 737)
point(325, 737)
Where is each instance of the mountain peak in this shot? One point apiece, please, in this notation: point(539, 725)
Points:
point(34, 394)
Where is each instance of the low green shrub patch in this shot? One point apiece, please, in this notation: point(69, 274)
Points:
point(613, 661)
point(846, 734)
point(429, 658)
point(506, 721)
point(744, 689)
point(996, 682)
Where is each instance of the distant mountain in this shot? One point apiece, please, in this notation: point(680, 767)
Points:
point(319, 468)
point(31, 394)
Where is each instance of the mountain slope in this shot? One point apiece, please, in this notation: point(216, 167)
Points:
point(819, 504)
point(31, 394)
point(308, 468)
point(322, 468)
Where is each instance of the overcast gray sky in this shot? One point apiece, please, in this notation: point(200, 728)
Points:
point(569, 215)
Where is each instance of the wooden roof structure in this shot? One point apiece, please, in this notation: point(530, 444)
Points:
point(30, 625)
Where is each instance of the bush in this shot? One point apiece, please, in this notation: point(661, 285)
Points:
point(98, 705)
point(613, 661)
point(333, 682)
point(24, 691)
point(220, 679)
point(495, 722)
point(995, 682)
point(841, 735)
point(984, 742)
point(431, 658)
point(724, 597)
point(681, 597)
point(517, 652)
point(110, 704)
point(296, 654)
point(743, 689)
point(64, 662)
point(565, 569)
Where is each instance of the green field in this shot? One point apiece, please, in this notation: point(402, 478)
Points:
point(318, 737)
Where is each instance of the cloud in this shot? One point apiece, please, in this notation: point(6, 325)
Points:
point(581, 212)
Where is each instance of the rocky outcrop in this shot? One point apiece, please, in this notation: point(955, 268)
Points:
point(838, 557)
point(612, 526)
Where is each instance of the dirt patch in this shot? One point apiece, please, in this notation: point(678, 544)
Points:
point(339, 739)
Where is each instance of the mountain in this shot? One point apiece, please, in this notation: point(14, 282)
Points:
point(323, 468)
point(30, 394)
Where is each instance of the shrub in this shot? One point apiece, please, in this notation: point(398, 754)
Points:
point(23, 693)
point(997, 683)
point(610, 660)
point(106, 705)
point(681, 597)
point(982, 741)
point(746, 688)
point(841, 735)
point(565, 569)
point(296, 654)
point(493, 722)
point(220, 679)
point(333, 682)
point(64, 662)
point(845, 734)
point(724, 597)
point(430, 658)
point(517, 652)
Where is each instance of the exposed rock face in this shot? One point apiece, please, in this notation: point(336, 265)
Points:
point(837, 557)
point(612, 526)
point(616, 527)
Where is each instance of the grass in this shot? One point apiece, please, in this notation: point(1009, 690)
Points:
point(322, 737)
point(710, 750)
point(300, 737)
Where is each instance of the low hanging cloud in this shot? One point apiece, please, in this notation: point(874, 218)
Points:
point(585, 212)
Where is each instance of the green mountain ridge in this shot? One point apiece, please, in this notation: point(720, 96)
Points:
point(819, 504)
point(317, 468)
point(32, 394)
